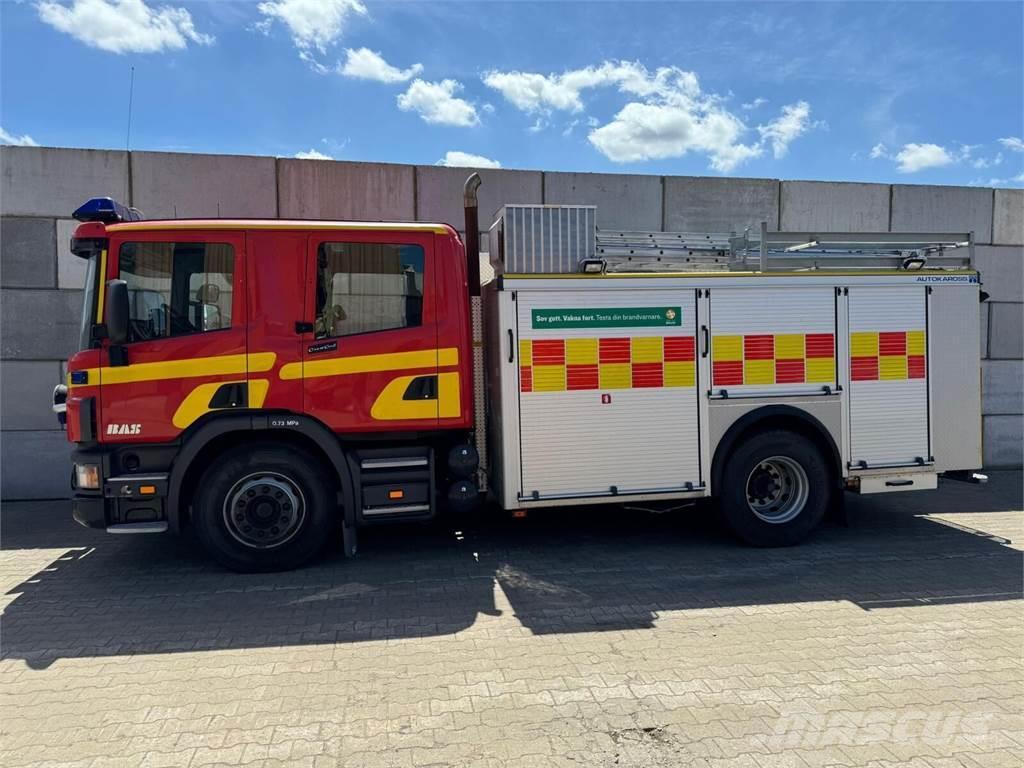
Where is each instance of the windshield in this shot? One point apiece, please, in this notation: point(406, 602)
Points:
point(88, 303)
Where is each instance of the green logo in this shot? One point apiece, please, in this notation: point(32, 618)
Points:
point(610, 317)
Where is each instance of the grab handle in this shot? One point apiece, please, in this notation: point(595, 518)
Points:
point(511, 346)
point(707, 340)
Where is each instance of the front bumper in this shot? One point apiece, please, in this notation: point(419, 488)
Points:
point(132, 501)
point(89, 511)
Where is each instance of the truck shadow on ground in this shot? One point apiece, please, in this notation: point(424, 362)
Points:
point(561, 571)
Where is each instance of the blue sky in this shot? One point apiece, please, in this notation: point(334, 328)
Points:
point(915, 92)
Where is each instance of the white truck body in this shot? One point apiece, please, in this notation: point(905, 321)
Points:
point(614, 387)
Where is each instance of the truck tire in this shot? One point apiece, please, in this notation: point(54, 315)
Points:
point(775, 489)
point(264, 508)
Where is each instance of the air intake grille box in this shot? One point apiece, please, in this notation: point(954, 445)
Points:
point(543, 238)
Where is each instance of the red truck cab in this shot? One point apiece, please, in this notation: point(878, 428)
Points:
point(254, 377)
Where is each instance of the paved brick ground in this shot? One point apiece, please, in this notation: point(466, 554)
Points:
point(572, 639)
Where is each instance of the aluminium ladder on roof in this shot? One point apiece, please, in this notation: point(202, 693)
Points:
point(704, 251)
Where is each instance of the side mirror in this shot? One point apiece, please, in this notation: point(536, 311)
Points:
point(117, 312)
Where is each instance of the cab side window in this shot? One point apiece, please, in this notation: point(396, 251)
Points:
point(368, 287)
point(175, 289)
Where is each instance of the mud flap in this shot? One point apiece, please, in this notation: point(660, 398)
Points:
point(349, 533)
point(348, 539)
point(836, 513)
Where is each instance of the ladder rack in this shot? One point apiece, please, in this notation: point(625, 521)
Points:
point(768, 251)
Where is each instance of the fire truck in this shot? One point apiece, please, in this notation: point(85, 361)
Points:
point(279, 384)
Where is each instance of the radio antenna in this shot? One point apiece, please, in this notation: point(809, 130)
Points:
point(131, 91)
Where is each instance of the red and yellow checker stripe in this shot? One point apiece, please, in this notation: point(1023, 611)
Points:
point(641, 362)
point(782, 358)
point(887, 355)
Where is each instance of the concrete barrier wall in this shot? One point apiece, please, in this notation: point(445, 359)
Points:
point(40, 280)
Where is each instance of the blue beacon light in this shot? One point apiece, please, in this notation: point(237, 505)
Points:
point(106, 210)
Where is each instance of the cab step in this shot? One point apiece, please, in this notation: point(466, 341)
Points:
point(394, 484)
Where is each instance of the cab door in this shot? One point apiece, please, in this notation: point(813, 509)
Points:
point(370, 354)
point(186, 339)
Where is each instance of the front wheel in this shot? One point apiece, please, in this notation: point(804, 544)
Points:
point(775, 489)
point(262, 508)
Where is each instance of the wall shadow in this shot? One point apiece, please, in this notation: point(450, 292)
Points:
point(112, 595)
point(562, 571)
point(586, 572)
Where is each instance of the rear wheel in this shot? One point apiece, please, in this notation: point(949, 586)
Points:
point(775, 489)
point(264, 508)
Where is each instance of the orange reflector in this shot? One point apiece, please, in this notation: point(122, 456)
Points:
point(147, 490)
point(518, 513)
point(396, 494)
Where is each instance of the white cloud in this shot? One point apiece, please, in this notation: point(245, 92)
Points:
point(1013, 143)
point(313, 24)
point(312, 154)
point(668, 116)
point(456, 159)
point(985, 162)
point(912, 158)
point(534, 92)
point(791, 124)
point(18, 141)
point(658, 131)
point(437, 103)
point(917, 157)
point(758, 102)
point(123, 26)
point(364, 64)
point(1017, 180)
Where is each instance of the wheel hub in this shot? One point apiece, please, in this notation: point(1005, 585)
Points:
point(777, 489)
point(264, 510)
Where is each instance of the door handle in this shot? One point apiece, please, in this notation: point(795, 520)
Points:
point(303, 327)
point(511, 346)
point(706, 343)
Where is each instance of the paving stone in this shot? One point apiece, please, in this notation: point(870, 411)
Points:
point(892, 641)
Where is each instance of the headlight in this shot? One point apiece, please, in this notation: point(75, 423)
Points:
point(87, 476)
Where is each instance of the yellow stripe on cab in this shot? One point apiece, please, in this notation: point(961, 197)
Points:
point(197, 402)
point(221, 365)
point(393, 361)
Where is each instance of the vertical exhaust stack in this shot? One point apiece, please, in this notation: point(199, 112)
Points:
point(477, 328)
point(472, 233)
